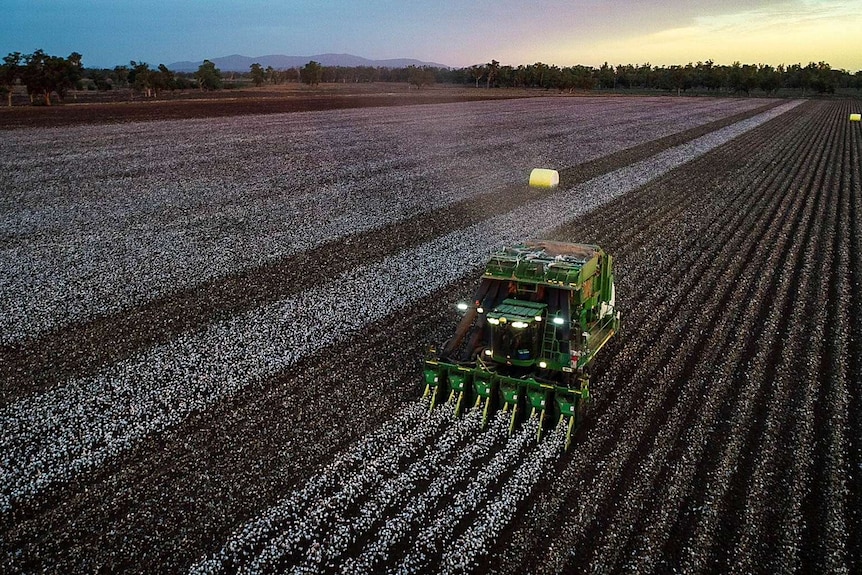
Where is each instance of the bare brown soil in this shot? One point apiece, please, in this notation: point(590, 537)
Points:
point(247, 101)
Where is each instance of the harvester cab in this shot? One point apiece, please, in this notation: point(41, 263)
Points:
point(540, 314)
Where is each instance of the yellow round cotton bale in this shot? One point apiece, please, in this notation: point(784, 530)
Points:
point(856, 117)
point(544, 178)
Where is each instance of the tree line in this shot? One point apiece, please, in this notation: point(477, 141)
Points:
point(49, 77)
point(819, 77)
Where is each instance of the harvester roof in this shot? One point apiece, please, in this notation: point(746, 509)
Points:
point(514, 310)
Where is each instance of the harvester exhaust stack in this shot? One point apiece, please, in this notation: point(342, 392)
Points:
point(539, 316)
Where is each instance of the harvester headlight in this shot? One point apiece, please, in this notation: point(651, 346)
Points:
point(543, 364)
point(538, 318)
point(480, 309)
point(489, 352)
point(493, 321)
point(559, 321)
point(462, 306)
point(519, 324)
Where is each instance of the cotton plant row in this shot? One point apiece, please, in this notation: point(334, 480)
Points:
point(98, 219)
point(374, 452)
point(319, 532)
point(325, 527)
point(315, 525)
point(475, 545)
point(804, 251)
point(47, 439)
point(433, 539)
point(390, 495)
point(393, 535)
point(773, 452)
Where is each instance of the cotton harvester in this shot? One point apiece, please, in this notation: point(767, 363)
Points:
point(540, 314)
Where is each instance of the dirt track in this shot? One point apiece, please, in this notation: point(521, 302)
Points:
point(225, 104)
point(724, 434)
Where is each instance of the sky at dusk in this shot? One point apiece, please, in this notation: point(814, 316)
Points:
point(455, 33)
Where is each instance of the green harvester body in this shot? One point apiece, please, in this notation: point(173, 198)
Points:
point(541, 313)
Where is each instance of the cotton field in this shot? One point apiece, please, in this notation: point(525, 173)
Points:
point(212, 329)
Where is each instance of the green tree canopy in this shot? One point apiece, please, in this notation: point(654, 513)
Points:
point(258, 75)
point(44, 74)
point(10, 71)
point(208, 76)
point(419, 77)
point(311, 73)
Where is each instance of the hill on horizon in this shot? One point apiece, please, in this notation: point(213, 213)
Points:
point(239, 63)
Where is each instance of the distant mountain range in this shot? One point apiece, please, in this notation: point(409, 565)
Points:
point(237, 63)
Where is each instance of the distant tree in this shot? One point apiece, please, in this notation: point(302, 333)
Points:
point(505, 76)
point(492, 69)
point(476, 72)
point(121, 75)
point(258, 76)
point(419, 77)
point(678, 78)
point(141, 78)
point(623, 75)
point(768, 78)
point(821, 77)
point(539, 75)
point(100, 79)
point(708, 75)
point(583, 77)
point(167, 78)
point(10, 72)
point(71, 73)
point(36, 77)
point(556, 77)
point(607, 77)
point(311, 73)
point(208, 76)
point(742, 78)
point(44, 74)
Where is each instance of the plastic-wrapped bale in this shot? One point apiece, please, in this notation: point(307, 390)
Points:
point(856, 117)
point(544, 178)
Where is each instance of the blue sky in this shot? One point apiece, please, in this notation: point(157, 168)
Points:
point(456, 33)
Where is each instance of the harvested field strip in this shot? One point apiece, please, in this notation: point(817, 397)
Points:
point(613, 542)
point(651, 363)
point(80, 349)
point(727, 483)
point(825, 498)
point(853, 163)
